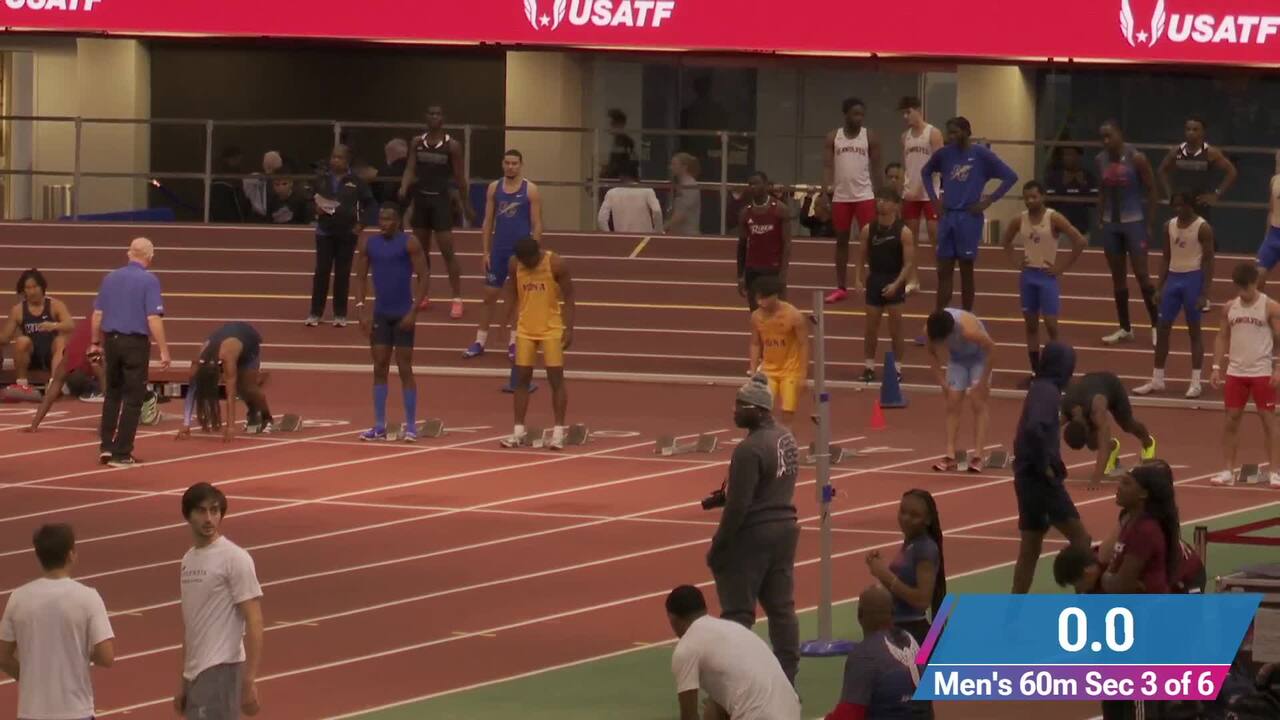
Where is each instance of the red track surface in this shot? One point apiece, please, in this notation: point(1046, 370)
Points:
point(397, 571)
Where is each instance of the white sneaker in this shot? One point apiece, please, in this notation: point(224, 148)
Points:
point(1224, 478)
point(1195, 391)
point(1151, 387)
point(1274, 480)
point(514, 441)
point(557, 442)
point(1117, 337)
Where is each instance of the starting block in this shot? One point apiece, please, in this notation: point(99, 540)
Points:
point(574, 435)
point(1249, 475)
point(429, 428)
point(997, 460)
point(288, 422)
point(835, 455)
point(667, 445)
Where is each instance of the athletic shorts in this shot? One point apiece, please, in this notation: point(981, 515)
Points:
point(876, 284)
point(913, 210)
point(499, 266)
point(1128, 238)
point(552, 350)
point(1042, 503)
point(41, 352)
point(844, 213)
point(786, 392)
point(1181, 293)
point(749, 278)
point(1040, 293)
point(432, 212)
point(386, 332)
point(965, 373)
point(1269, 253)
point(214, 694)
point(1238, 390)
point(959, 234)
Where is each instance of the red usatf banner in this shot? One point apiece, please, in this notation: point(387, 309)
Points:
point(1223, 32)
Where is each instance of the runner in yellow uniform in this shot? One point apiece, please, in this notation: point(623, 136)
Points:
point(779, 346)
point(540, 292)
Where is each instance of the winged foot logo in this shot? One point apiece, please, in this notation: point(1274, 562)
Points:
point(1196, 27)
point(551, 14)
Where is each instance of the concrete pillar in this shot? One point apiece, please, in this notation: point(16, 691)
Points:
point(114, 79)
point(1000, 101)
point(550, 89)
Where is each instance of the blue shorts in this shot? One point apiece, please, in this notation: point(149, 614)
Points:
point(1269, 253)
point(386, 332)
point(1040, 293)
point(959, 234)
point(1128, 238)
point(964, 373)
point(499, 266)
point(1181, 293)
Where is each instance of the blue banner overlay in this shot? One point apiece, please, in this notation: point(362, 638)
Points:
point(1084, 647)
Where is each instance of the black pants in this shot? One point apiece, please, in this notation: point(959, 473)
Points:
point(127, 358)
point(333, 254)
point(760, 567)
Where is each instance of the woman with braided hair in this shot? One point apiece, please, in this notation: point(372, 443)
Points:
point(231, 356)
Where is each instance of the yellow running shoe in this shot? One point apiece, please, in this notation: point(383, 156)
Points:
point(1114, 459)
point(1149, 452)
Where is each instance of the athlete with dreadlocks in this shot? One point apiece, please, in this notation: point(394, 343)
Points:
point(231, 356)
point(917, 576)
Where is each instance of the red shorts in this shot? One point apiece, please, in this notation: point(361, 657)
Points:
point(77, 347)
point(916, 209)
point(843, 214)
point(1238, 390)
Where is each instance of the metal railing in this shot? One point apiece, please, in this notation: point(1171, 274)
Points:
point(728, 156)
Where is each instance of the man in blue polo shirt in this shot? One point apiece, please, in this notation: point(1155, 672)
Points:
point(127, 314)
point(965, 169)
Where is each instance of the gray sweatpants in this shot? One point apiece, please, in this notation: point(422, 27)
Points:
point(760, 567)
point(215, 694)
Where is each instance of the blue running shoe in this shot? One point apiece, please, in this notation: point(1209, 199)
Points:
point(475, 351)
point(374, 434)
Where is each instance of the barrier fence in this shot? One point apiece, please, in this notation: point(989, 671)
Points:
point(99, 159)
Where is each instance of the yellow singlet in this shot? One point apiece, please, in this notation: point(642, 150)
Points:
point(539, 300)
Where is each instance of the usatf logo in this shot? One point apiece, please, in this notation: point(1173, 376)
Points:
point(1198, 28)
point(600, 13)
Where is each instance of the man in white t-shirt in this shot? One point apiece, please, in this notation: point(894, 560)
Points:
point(731, 664)
point(52, 628)
point(221, 616)
point(630, 208)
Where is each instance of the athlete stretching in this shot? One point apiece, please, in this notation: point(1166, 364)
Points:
point(435, 170)
point(513, 210)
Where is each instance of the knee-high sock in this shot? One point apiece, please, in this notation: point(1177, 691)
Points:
point(380, 406)
point(410, 407)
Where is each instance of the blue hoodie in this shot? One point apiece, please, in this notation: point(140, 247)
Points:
point(1036, 448)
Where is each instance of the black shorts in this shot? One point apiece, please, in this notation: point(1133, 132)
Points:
point(386, 332)
point(875, 291)
point(433, 212)
point(41, 353)
point(751, 275)
point(1042, 503)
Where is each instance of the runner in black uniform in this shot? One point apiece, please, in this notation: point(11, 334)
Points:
point(888, 246)
point(38, 327)
point(232, 355)
point(435, 170)
point(1088, 406)
point(1192, 166)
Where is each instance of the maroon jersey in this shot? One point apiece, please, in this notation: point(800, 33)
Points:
point(763, 227)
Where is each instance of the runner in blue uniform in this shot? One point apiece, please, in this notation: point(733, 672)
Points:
point(513, 210)
point(395, 256)
point(1126, 209)
point(231, 356)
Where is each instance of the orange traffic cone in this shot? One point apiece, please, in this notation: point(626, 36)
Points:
point(877, 417)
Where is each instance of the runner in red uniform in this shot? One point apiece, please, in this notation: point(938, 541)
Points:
point(764, 238)
point(75, 370)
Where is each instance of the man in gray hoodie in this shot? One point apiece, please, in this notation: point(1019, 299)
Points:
point(753, 553)
point(1039, 474)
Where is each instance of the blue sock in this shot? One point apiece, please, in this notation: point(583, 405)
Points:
point(380, 406)
point(410, 407)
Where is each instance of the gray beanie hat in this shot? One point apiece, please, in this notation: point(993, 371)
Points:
point(756, 392)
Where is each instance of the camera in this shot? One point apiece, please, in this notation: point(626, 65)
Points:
point(716, 499)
